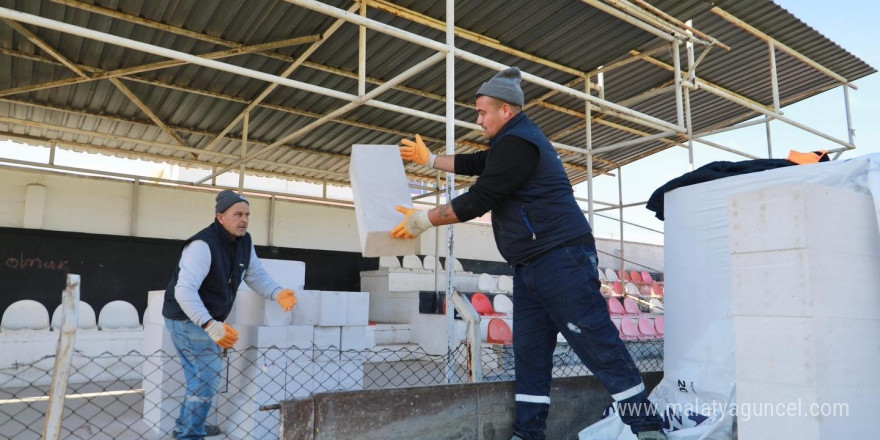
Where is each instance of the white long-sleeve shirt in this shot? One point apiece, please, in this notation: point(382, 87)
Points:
point(195, 263)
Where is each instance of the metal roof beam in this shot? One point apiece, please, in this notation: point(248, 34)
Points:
point(605, 106)
point(126, 72)
point(267, 51)
point(803, 58)
point(272, 86)
point(76, 69)
point(342, 110)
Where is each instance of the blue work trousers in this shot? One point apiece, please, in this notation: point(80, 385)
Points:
point(559, 292)
point(200, 357)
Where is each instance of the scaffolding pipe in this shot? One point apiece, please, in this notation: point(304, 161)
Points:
point(409, 73)
point(607, 107)
point(212, 64)
point(63, 358)
point(632, 142)
point(588, 122)
point(723, 94)
point(244, 136)
point(362, 53)
point(452, 297)
point(676, 63)
point(620, 211)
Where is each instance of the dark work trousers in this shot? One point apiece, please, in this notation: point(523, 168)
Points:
point(559, 292)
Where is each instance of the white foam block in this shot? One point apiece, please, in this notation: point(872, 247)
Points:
point(378, 184)
point(358, 311)
point(251, 308)
point(333, 309)
point(354, 337)
point(288, 274)
point(327, 343)
point(308, 307)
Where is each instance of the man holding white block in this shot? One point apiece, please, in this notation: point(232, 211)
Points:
point(541, 231)
point(199, 298)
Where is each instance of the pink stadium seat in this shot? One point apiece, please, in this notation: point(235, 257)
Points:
point(615, 308)
point(629, 330)
point(646, 328)
point(656, 290)
point(660, 325)
point(635, 277)
point(646, 277)
point(622, 275)
point(630, 307)
point(617, 287)
point(499, 332)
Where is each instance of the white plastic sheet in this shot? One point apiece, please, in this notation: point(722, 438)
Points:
point(698, 392)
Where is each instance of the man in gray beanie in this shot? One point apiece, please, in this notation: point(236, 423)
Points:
point(542, 233)
point(198, 299)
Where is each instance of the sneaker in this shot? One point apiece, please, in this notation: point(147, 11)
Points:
point(652, 435)
point(210, 431)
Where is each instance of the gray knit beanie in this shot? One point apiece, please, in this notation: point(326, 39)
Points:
point(227, 198)
point(504, 86)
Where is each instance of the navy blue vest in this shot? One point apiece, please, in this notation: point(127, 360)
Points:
point(229, 262)
point(542, 214)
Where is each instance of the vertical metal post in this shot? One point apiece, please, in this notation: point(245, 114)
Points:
point(774, 84)
point(676, 63)
point(63, 358)
point(437, 266)
point(271, 235)
point(692, 78)
point(850, 132)
point(450, 184)
point(52, 154)
point(244, 136)
point(620, 214)
point(589, 127)
point(774, 78)
point(135, 194)
point(362, 53)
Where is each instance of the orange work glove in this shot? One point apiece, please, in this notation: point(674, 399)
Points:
point(413, 225)
point(417, 152)
point(287, 299)
point(222, 333)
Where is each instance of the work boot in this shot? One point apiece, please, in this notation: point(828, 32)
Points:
point(210, 431)
point(652, 435)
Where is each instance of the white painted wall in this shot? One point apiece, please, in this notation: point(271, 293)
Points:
point(104, 206)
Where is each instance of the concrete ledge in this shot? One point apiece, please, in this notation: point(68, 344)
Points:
point(482, 411)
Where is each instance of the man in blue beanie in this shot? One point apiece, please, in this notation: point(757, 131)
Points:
point(541, 231)
point(198, 299)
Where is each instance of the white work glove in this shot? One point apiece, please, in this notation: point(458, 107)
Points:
point(413, 225)
point(222, 333)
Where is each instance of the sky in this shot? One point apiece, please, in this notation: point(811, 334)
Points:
point(852, 25)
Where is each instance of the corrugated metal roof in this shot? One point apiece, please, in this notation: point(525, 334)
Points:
point(197, 103)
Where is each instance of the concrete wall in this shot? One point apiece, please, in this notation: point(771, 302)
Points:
point(106, 206)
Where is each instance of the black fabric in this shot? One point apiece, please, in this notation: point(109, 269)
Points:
point(513, 161)
point(711, 171)
point(230, 258)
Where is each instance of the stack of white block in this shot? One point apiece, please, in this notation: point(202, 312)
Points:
point(806, 312)
point(395, 292)
point(316, 347)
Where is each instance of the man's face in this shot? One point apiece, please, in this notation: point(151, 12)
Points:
point(235, 219)
point(492, 114)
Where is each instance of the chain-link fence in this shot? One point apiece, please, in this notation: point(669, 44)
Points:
point(138, 396)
